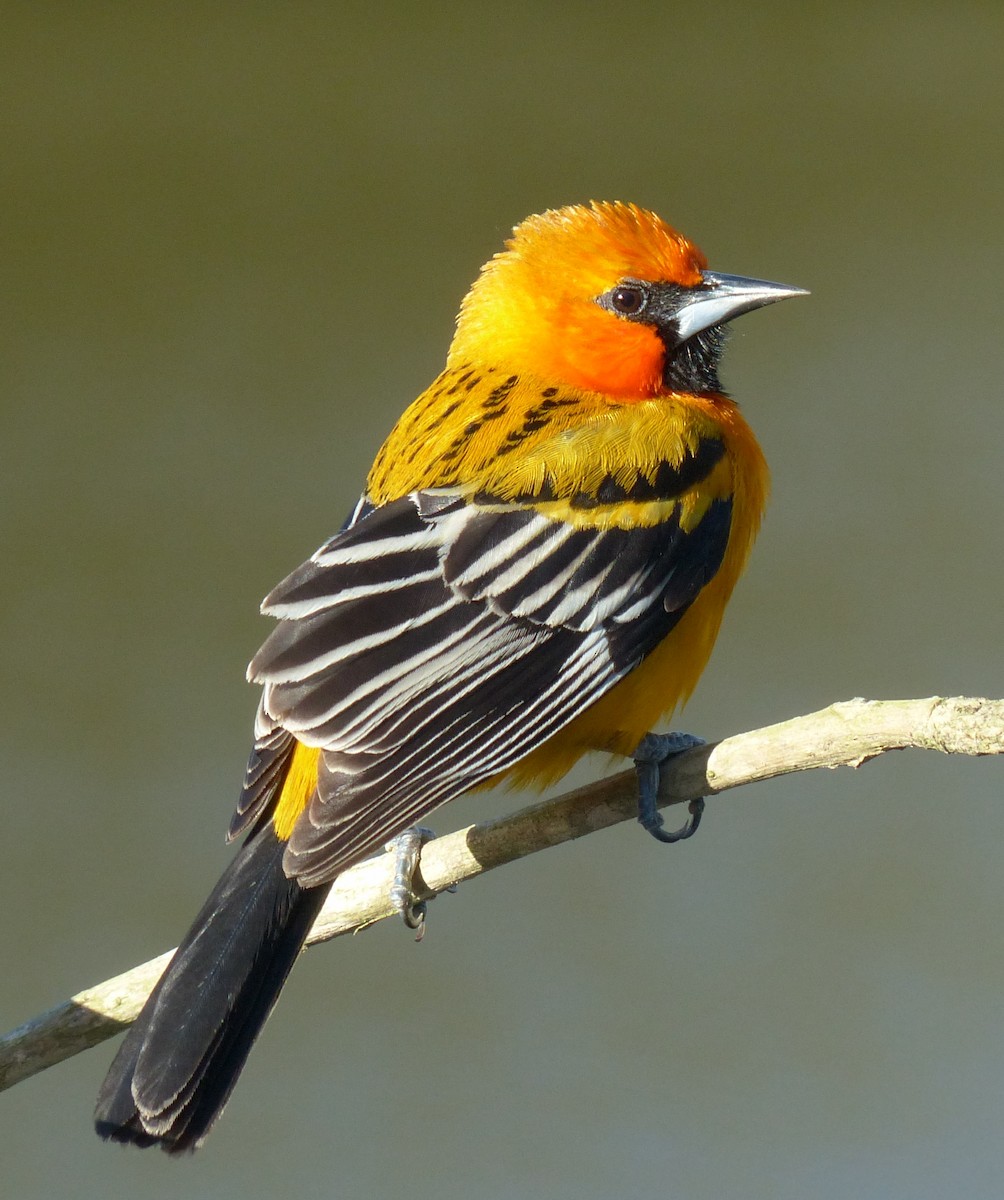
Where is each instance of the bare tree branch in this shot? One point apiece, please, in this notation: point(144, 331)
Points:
point(845, 734)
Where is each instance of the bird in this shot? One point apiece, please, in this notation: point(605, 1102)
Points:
point(536, 569)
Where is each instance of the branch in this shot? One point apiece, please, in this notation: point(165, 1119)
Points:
point(845, 734)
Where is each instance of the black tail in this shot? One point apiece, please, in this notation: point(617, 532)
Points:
point(178, 1064)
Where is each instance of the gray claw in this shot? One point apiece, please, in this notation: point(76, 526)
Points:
point(408, 847)
point(653, 750)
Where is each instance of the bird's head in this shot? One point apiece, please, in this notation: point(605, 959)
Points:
point(605, 297)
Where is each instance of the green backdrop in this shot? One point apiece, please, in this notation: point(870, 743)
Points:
point(233, 239)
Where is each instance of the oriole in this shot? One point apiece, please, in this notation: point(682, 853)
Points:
point(537, 568)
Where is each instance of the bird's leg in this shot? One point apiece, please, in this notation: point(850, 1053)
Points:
point(653, 750)
point(407, 847)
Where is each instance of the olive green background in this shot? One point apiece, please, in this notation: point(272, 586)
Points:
point(233, 241)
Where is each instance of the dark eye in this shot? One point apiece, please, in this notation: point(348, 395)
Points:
point(627, 300)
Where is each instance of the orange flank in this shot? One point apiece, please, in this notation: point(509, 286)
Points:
point(667, 677)
point(297, 789)
point(537, 568)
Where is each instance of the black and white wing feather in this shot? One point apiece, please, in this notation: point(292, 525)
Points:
point(434, 642)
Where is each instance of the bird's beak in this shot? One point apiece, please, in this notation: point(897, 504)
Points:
point(719, 298)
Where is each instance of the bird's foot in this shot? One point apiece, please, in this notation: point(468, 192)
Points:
point(407, 847)
point(653, 750)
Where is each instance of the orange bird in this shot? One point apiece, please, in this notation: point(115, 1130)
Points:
point(537, 568)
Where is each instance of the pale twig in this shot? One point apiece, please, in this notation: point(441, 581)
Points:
point(845, 734)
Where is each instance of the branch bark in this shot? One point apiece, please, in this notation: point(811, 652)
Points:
point(845, 734)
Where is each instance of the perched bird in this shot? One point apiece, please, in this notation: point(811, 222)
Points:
point(537, 568)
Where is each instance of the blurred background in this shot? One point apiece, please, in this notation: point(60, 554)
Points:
point(233, 243)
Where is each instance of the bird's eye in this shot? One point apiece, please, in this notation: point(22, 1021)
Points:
point(628, 300)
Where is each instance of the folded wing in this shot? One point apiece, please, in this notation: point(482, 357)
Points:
point(434, 642)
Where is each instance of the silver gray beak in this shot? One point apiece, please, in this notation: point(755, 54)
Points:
point(719, 298)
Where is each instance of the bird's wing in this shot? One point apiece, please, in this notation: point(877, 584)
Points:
point(435, 642)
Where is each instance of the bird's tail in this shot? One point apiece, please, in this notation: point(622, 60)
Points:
point(178, 1064)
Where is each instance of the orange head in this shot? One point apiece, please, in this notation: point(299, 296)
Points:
point(605, 297)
